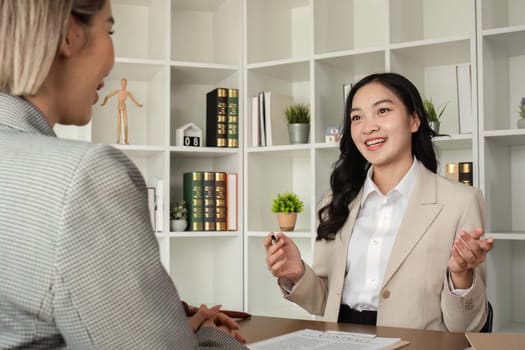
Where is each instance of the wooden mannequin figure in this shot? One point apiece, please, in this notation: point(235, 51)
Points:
point(122, 116)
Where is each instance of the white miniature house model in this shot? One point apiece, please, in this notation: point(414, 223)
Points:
point(189, 135)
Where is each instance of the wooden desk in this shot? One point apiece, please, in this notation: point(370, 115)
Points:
point(259, 328)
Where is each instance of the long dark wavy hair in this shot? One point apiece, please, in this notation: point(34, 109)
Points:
point(351, 168)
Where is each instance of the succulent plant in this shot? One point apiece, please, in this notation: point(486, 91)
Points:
point(287, 202)
point(178, 211)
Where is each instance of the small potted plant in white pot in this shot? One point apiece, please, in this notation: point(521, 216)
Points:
point(298, 118)
point(178, 216)
point(433, 114)
point(521, 111)
point(287, 205)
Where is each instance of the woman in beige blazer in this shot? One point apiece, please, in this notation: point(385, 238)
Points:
point(397, 244)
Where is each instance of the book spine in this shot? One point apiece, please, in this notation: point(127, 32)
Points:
point(465, 173)
point(464, 92)
point(152, 206)
point(192, 185)
point(255, 121)
point(233, 118)
point(216, 117)
point(451, 171)
point(159, 213)
point(346, 92)
point(262, 119)
point(209, 200)
point(220, 201)
point(231, 201)
point(268, 117)
point(276, 123)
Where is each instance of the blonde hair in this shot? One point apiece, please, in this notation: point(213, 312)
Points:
point(32, 32)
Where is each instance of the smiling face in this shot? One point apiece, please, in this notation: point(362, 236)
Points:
point(381, 127)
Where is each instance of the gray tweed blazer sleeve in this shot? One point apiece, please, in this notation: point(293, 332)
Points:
point(79, 263)
point(111, 289)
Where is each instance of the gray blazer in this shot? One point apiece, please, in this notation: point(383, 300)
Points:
point(414, 293)
point(79, 263)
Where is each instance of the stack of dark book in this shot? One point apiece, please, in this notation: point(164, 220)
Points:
point(222, 118)
point(461, 172)
point(212, 199)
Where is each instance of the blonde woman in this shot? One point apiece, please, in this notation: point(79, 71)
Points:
point(79, 263)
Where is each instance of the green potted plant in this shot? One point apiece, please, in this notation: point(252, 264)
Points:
point(433, 114)
point(287, 205)
point(521, 112)
point(298, 118)
point(178, 216)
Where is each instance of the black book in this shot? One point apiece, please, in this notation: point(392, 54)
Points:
point(216, 118)
point(465, 173)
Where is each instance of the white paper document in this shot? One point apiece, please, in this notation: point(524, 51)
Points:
point(309, 339)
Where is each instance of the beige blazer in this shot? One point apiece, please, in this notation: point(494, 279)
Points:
point(414, 293)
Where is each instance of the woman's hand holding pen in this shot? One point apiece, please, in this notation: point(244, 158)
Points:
point(468, 252)
point(283, 257)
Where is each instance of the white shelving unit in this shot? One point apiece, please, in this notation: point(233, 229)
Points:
point(205, 53)
point(501, 64)
point(310, 50)
point(174, 51)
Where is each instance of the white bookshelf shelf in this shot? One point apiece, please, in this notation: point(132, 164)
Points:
point(203, 151)
point(292, 234)
point(201, 234)
point(514, 137)
point(290, 148)
point(346, 54)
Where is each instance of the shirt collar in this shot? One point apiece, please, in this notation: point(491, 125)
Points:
point(404, 187)
point(18, 114)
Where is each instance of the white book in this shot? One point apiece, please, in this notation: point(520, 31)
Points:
point(232, 202)
point(276, 124)
point(152, 205)
point(255, 122)
point(346, 92)
point(464, 98)
point(262, 122)
point(159, 214)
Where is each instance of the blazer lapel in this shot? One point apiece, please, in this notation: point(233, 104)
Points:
point(422, 208)
point(348, 227)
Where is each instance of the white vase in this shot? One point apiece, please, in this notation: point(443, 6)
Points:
point(521, 123)
point(178, 225)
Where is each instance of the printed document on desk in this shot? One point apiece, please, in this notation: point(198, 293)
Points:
point(309, 339)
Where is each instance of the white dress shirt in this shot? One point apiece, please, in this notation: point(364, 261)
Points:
point(373, 237)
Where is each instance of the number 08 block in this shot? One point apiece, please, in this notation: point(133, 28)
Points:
point(188, 135)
